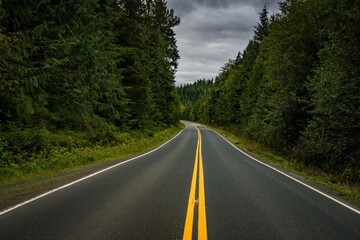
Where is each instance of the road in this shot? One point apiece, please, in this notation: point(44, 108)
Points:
point(196, 186)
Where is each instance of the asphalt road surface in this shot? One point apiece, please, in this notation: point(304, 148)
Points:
point(197, 186)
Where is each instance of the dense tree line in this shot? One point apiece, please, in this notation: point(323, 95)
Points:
point(86, 65)
point(192, 98)
point(74, 63)
point(295, 88)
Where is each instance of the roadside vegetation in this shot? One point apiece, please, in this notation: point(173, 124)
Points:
point(38, 153)
point(294, 90)
point(64, 156)
point(83, 81)
point(350, 191)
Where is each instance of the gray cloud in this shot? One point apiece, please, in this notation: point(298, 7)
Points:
point(211, 32)
point(183, 7)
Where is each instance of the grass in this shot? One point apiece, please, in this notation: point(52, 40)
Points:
point(61, 165)
point(349, 191)
point(21, 181)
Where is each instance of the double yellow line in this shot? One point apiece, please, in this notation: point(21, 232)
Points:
point(200, 202)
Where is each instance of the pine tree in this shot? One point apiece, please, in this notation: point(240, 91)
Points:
point(331, 139)
point(262, 28)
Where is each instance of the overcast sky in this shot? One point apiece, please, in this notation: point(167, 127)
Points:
point(213, 31)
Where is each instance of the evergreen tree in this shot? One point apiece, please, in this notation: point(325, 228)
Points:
point(193, 97)
point(165, 63)
point(75, 64)
point(262, 28)
point(23, 72)
point(292, 52)
point(149, 61)
point(331, 139)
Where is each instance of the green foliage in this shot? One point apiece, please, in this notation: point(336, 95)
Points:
point(192, 97)
point(89, 67)
point(295, 87)
point(297, 40)
point(331, 139)
point(65, 62)
point(72, 150)
point(149, 63)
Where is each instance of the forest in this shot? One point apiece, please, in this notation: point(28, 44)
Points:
point(76, 72)
point(294, 88)
point(192, 98)
point(93, 72)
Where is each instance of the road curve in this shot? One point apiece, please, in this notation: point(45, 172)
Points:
point(148, 198)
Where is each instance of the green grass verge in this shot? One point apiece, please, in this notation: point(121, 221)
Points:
point(60, 165)
point(349, 191)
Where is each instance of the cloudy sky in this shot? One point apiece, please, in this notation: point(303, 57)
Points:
point(213, 31)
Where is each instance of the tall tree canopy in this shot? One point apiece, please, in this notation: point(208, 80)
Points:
point(75, 64)
point(295, 86)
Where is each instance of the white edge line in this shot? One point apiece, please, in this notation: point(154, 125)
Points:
point(294, 179)
point(86, 177)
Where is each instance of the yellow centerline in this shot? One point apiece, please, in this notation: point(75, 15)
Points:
point(189, 222)
point(202, 230)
